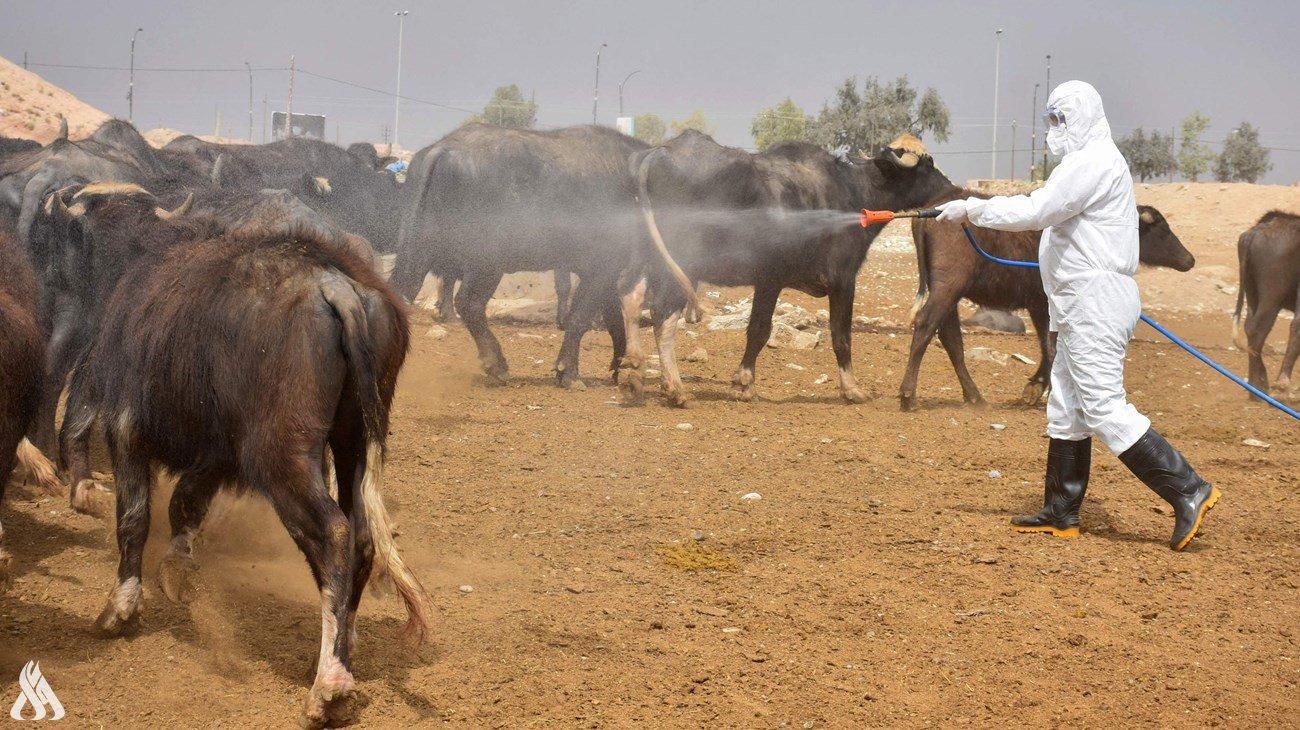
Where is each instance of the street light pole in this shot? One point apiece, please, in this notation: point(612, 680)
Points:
point(130, 94)
point(620, 90)
point(1033, 134)
point(250, 101)
point(997, 64)
point(1048, 87)
point(397, 101)
point(595, 94)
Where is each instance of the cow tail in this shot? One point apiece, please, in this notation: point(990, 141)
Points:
point(692, 302)
point(922, 269)
point(1243, 280)
point(359, 346)
point(40, 467)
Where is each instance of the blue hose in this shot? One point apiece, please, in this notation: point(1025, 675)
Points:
point(1155, 325)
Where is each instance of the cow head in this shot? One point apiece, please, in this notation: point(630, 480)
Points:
point(1157, 244)
point(907, 176)
point(357, 199)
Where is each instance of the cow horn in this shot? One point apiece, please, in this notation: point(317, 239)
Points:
point(322, 185)
point(217, 168)
point(908, 159)
point(181, 210)
point(63, 128)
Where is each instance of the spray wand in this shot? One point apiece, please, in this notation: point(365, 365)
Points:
point(884, 216)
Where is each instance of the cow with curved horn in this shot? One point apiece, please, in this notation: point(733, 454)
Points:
point(770, 220)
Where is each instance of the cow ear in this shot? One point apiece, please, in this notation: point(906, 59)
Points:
point(1147, 218)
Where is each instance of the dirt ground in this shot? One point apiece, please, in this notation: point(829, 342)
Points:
point(875, 583)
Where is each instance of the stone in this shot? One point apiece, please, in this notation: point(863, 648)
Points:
point(685, 427)
point(436, 332)
point(998, 320)
point(751, 497)
point(467, 589)
point(699, 354)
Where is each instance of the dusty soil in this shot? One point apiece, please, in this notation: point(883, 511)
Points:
point(875, 583)
point(31, 107)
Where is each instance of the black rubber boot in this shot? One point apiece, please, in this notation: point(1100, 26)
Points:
point(1068, 464)
point(1162, 468)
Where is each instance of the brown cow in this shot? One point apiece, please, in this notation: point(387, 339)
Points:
point(950, 270)
point(1268, 259)
point(237, 362)
point(22, 362)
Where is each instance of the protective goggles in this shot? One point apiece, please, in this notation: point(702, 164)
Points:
point(1054, 117)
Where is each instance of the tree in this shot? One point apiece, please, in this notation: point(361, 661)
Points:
point(1194, 156)
point(784, 122)
point(1147, 157)
point(649, 128)
point(507, 108)
point(695, 121)
point(1243, 158)
point(872, 118)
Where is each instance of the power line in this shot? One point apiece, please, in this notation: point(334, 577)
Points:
point(168, 70)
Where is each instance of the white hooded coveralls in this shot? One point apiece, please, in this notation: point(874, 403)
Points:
point(1088, 254)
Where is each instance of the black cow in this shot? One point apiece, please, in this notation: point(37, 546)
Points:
point(237, 361)
point(950, 270)
point(1268, 261)
point(485, 201)
point(770, 220)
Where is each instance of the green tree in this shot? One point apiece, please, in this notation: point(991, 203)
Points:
point(784, 122)
point(649, 128)
point(1243, 158)
point(695, 121)
point(1147, 156)
point(508, 108)
point(869, 119)
point(1194, 156)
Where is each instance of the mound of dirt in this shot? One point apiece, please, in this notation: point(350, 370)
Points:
point(32, 108)
point(161, 136)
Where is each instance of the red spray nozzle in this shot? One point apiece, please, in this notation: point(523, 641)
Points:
point(870, 217)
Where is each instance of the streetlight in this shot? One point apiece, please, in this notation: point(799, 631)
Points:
point(130, 94)
point(1033, 134)
point(397, 101)
point(250, 101)
point(620, 90)
point(997, 63)
point(1048, 87)
point(595, 94)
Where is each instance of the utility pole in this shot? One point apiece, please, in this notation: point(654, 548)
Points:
point(288, 117)
point(250, 102)
point(595, 94)
point(397, 100)
point(1014, 174)
point(620, 90)
point(130, 93)
point(265, 112)
point(1033, 134)
point(997, 76)
point(1049, 96)
point(216, 128)
point(1172, 158)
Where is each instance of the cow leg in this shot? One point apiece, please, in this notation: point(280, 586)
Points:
point(131, 467)
point(563, 289)
point(1041, 380)
point(586, 303)
point(1282, 388)
point(1258, 324)
point(842, 340)
point(950, 337)
point(87, 495)
point(10, 435)
point(471, 302)
point(756, 336)
point(347, 444)
point(631, 368)
point(61, 353)
point(666, 338)
point(924, 327)
point(321, 530)
point(612, 313)
point(446, 298)
point(189, 505)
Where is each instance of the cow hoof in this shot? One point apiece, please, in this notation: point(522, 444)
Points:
point(176, 574)
point(117, 621)
point(743, 393)
point(1032, 394)
point(89, 497)
point(978, 403)
point(333, 706)
point(677, 399)
point(907, 403)
point(497, 375)
point(568, 381)
point(6, 579)
point(854, 395)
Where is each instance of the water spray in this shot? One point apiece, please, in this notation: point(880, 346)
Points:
point(884, 216)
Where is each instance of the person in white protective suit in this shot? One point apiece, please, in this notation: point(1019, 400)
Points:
point(1088, 255)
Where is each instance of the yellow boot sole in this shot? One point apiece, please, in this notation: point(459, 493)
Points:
point(1209, 503)
point(1048, 530)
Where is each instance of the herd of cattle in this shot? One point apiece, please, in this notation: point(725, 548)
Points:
point(219, 311)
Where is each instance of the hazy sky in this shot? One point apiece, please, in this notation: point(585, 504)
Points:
point(1153, 62)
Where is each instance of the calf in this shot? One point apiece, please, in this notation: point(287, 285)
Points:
point(1268, 260)
point(22, 363)
point(949, 270)
point(236, 361)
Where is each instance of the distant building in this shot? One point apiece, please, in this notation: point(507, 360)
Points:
point(304, 125)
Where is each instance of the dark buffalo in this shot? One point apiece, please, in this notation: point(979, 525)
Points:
point(771, 220)
point(486, 201)
point(1268, 260)
point(237, 362)
point(22, 362)
point(950, 270)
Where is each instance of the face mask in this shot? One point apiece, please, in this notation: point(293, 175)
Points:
point(1056, 140)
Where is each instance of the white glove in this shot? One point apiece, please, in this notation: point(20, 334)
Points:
point(953, 211)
